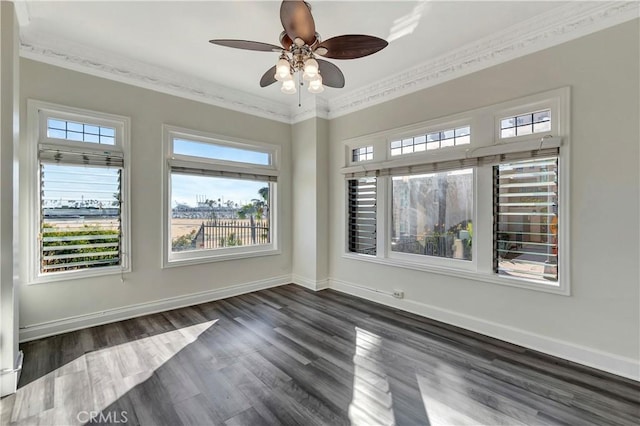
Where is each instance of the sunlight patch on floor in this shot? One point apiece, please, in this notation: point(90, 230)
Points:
point(372, 400)
point(88, 384)
point(434, 397)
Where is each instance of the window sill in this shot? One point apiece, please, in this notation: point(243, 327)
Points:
point(77, 275)
point(222, 257)
point(459, 273)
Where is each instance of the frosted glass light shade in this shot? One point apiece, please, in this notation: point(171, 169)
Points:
point(315, 85)
point(310, 69)
point(288, 86)
point(283, 69)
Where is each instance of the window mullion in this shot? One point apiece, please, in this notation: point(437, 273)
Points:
point(483, 230)
point(383, 213)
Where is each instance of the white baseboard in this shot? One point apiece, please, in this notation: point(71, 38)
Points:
point(8, 383)
point(50, 328)
point(9, 378)
point(309, 283)
point(622, 366)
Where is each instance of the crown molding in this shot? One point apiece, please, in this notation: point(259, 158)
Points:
point(88, 60)
point(557, 26)
point(561, 24)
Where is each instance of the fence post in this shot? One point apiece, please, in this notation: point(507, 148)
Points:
point(253, 229)
point(200, 239)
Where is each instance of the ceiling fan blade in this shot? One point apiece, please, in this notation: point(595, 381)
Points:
point(268, 78)
point(247, 45)
point(352, 46)
point(297, 20)
point(331, 75)
point(285, 41)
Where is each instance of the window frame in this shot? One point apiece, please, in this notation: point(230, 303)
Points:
point(176, 259)
point(485, 135)
point(38, 112)
point(426, 260)
point(359, 161)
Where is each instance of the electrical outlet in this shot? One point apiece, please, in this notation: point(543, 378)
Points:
point(398, 294)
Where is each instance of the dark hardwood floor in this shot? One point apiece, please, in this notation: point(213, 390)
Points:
point(292, 356)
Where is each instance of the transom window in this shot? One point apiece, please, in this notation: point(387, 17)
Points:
point(221, 197)
point(215, 151)
point(364, 153)
point(82, 193)
point(83, 132)
point(432, 140)
point(525, 124)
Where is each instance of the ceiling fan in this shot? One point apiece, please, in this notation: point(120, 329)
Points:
point(302, 47)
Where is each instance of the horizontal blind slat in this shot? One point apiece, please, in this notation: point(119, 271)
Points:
point(78, 255)
point(81, 246)
point(75, 265)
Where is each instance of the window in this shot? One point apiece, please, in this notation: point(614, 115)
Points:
point(525, 124)
point(64, 129)
point(526, 219)
point(221, 197)
point(432, 214)
point(362, 154)
point(81, 193)
point(493, 212)
point(432, 140)
point(362, 216)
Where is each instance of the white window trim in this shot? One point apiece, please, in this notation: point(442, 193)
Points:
point(485, 133)
point(37, 114)
point(178, 259)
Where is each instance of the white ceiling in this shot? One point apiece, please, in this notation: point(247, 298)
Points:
point(174, 35)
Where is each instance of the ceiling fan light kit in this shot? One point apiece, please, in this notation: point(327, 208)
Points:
point(301, 46)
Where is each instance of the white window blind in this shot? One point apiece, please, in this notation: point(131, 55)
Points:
point(526, 219)
point(202, 168)
point(223, 173)
point(362, 216)
point(81, 216)
point(53, 154)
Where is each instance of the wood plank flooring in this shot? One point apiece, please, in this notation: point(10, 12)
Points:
point(291, 356)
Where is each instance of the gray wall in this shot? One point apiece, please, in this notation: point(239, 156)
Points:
point(602, 315)
point(310, 152)
point(148, 110)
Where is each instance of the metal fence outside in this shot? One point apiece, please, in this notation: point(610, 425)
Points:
point(218, 233)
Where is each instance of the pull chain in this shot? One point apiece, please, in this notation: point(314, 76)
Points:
point(299, 91)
